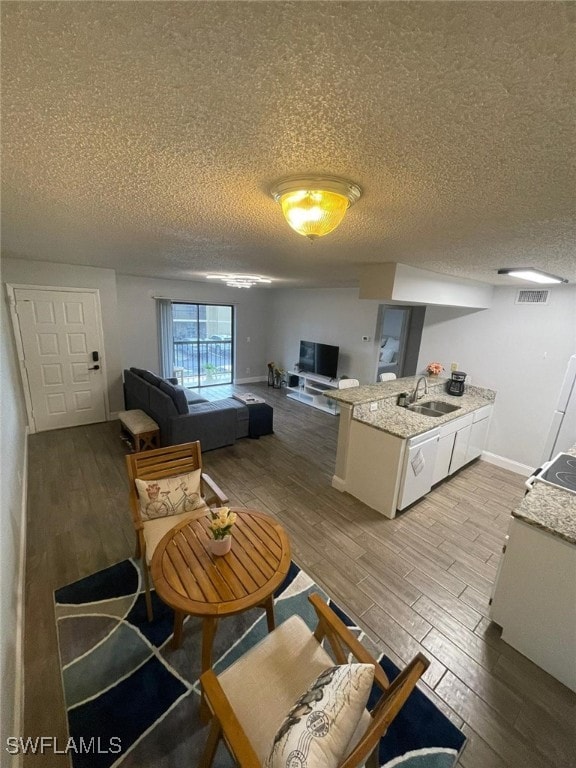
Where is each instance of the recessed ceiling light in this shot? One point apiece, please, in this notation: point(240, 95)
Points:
point(534, 275)
point(240, 281)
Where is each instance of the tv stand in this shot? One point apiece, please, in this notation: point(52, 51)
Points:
point(311, 389)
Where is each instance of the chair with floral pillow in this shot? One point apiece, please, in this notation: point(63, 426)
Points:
point(288, 701)
point(167, 486)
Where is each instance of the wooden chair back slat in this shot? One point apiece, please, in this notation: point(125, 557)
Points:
point(170, 461)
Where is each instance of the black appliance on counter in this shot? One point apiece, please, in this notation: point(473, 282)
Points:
point(456, 383)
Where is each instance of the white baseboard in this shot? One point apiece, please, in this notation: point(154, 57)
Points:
point(251, 380)
point(18, 722)
point(338, 483)
point(113, 416)
point(504, 463)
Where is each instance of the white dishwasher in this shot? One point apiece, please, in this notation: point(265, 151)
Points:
point(418, 467)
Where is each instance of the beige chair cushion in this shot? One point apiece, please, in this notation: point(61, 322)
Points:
point(289, 660)
point(170, 495)
point(318, 728)
point(155, 529)
point(265, 682)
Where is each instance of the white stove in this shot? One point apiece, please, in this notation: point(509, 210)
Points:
point(560, 471)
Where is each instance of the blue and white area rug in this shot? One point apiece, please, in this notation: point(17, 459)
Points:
point(134, 701)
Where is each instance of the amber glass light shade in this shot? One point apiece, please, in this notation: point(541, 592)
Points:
point(316, 206)
point(313, 213)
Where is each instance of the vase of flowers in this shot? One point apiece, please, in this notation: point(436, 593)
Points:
point(434, 369)
point(271, 367)
point(275, 375)
point(221, 522)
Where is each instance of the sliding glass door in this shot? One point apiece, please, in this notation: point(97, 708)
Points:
point(203, 344)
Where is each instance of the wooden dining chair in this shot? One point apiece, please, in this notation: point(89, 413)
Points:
point(258, 699)
point(167, 486)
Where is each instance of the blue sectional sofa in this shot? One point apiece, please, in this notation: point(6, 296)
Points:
point(182, 415)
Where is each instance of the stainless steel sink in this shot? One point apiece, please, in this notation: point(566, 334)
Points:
point(424, 410)
point(434, 408)
point(440, 405)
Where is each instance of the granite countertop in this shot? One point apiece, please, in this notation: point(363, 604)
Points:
point(550, 508)
point(366, 393)
point(396, 420)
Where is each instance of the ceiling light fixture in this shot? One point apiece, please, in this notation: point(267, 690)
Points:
point(240, 281)
point(534, 275)
point(314, 205)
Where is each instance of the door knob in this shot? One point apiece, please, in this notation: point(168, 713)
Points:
point(94, 368)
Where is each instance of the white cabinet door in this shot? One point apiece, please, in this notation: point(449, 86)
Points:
point(535, 602)
point(478, 435)
point(443, 456)
point(460, 452)
point(418, 470)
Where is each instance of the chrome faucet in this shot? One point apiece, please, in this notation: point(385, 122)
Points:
point(415, 396)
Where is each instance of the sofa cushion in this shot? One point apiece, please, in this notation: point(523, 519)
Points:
point(138, 371)
point(242, 415)
point(162, 407)
point(193, 398)
point(210, 405)
point(151, 378)
point(177, 394)
point(136, 392)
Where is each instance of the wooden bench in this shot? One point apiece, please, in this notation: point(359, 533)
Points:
point(142, 429)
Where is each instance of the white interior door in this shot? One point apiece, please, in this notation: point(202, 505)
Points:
point(60, 333)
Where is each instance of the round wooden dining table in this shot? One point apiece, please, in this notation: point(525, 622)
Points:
point(194, 582)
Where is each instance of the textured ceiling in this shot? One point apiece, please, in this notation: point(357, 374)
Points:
point(143, 136)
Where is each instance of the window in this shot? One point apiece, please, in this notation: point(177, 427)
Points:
point(203, 344)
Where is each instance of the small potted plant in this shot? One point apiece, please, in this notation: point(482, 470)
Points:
point(221, 522)
point(434, 369)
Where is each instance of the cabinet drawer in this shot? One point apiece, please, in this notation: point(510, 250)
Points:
point(456, 424)
point(482, 413)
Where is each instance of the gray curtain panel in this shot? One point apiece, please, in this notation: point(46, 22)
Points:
point(165, 337)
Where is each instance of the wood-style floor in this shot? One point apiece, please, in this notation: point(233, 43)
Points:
point(419, 582)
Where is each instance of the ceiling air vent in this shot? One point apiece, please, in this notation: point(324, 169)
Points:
point(530, 296)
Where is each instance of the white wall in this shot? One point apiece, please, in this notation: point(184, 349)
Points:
point(138, 324)
point(72, 276)
point(327, 316)
point(521, 351)
point(12, 526)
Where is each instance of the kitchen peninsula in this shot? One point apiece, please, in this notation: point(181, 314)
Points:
point(389, 456)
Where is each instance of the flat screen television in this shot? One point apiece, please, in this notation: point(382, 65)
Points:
point(318, 358)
